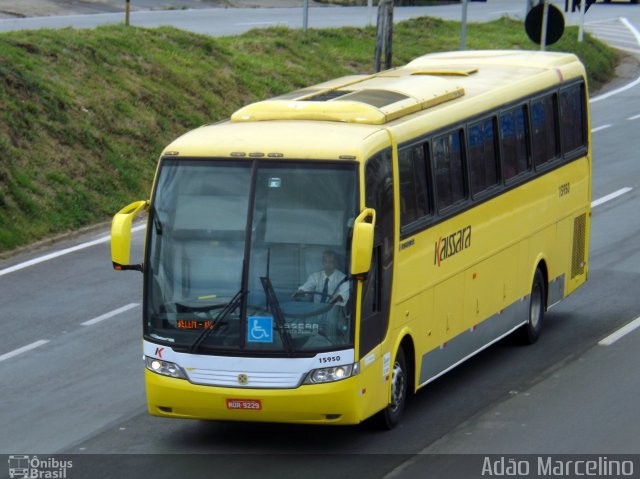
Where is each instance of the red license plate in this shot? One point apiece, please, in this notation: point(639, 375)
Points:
point(250, 404)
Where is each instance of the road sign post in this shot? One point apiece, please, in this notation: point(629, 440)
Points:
point(463, 33)
point(581, 27)
point(545, 21)
point(305, 15)
point(384, 35)
point(127, 9)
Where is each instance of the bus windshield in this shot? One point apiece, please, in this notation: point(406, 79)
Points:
point(251, 256)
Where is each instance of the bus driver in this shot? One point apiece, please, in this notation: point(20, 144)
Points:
point(328, 285)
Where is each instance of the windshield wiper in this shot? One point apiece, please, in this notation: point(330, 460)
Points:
point(274, 305)
point(230, 306)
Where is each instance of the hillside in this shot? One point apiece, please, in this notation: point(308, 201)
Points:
point(85, 113)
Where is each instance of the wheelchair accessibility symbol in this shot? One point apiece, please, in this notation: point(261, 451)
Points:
point(260, 329)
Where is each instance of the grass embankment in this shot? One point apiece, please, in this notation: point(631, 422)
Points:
point(85, 113)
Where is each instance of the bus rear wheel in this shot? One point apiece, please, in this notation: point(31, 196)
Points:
point(530, 332)
point(390, 416)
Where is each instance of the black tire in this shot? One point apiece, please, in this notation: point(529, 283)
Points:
point(390, 416)
point(530, 332)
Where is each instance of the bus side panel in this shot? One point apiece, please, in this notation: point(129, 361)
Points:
point(448, 309)
point(374, 379)
point(436, 362)
point(491, 285)
point(416, 315)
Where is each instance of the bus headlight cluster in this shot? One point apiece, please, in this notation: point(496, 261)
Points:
point(164, 368)
point(335, 373)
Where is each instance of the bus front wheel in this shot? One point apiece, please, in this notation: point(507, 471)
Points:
point(530, 332)
point(390, 416)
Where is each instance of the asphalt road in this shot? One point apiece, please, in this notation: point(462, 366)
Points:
point(71, 368)
point(231, 21)
point(602, 19)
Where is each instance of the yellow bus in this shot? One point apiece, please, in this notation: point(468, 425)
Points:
point(324, 253)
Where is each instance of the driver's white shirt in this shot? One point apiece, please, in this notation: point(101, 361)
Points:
point(315, 283)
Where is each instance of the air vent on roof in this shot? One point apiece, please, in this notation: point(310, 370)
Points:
point(377, 98)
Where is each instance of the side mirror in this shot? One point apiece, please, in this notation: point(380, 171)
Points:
point(362, 243)
point(121, 236)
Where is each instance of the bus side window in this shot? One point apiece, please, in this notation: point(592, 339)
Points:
point(414, 196)
point(448, 169)
point(572, 118)
point(513, 136)
point(484, 167)
point(544, 127)
point(371, 289)
point(377, 288)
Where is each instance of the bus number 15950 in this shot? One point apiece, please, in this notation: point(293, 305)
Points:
point(329, 359)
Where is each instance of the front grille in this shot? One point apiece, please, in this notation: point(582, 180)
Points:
point(254, 380)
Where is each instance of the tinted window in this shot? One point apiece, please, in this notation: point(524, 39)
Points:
point(376, 290)
point(572, 118)
point(513, 128)
point(414, 197)
point(544, 143)
point(448, 169)
point(483, 161)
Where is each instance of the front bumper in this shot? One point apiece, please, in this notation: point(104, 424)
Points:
point(339, 402)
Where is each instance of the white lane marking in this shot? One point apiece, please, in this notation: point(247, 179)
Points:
point(600, 128)
point(634, 31)
point(610, 196)
point(614, 31)
point(628, 86)
point(624, 330)
point(63, 252)
point(111, 314)
point(23, 349)
point(635, 117)
point(636, 34)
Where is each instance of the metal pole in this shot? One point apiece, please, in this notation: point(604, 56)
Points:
point(463, 34)
point(581, 28)
point(384, 35)
point(543, 33)
point(127, 9)
point(369, 11)
point(305, 15)
point(389, 36)
point(377, 59)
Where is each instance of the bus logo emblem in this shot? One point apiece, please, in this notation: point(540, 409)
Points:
point(448, 246)
point(243, 379)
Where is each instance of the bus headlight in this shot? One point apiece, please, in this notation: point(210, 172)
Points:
point(335, 373)
point(164, 368)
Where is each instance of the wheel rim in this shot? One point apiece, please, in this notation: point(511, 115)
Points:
point(397, 387)
point(536, 307)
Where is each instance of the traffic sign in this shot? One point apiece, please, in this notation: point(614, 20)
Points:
point(555, 24)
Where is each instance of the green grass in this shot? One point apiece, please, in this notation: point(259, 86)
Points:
point(85, 113)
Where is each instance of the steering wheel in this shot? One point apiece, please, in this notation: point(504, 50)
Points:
point(299, 293)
